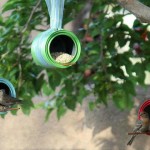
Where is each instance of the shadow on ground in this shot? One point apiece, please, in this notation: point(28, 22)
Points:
point(103, 129)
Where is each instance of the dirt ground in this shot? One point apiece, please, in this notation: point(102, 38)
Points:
point(102, 129)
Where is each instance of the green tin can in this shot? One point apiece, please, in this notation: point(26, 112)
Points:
point(52, 41)
point(55, 39)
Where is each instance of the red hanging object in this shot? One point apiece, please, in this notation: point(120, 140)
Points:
point(144, 107)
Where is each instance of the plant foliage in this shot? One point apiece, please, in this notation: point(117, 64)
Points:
point(104, 69)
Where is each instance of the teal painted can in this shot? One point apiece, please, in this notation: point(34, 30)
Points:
point(55, 39)
point(8, 87)
point(52, 41)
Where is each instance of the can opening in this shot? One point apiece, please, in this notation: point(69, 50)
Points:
point(62, 43)
point(4, 87)
point(147, 109)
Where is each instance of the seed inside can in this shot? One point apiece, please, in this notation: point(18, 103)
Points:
point(62, 57)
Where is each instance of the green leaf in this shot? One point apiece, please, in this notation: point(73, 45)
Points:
point(70, 102)
point(46, 89)
point(49, 111)
point(38, 83)
point(92, 105)
point(129, 87)
point(61, 110)
point(54, 80)
point(123, 100)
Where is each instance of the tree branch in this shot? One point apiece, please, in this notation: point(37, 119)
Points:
point(141, 11)
point(31, 15)
point(20, 82)
point(133, 133)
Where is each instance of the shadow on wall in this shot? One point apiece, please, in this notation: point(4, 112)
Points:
point(110, 125)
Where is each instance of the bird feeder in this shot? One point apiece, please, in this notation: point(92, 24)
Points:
point(55, 39)
point(8, 88)
point(144, 107)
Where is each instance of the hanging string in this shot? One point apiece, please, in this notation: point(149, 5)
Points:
point(55, 9)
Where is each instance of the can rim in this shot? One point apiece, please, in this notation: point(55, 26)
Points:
point(142, 107)
point(10, 86)
point(75, 41)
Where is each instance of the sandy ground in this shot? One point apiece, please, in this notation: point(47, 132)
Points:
point(102, 129)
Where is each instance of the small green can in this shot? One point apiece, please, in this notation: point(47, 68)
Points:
point(52, 41)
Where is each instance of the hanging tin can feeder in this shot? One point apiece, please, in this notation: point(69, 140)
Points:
point(8, 88)
point(144, 107)
point(55, 40)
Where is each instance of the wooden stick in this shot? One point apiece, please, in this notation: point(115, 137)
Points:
point(67, 64)
point(9, 109)
point(132, 133)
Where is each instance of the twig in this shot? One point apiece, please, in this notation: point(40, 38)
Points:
point(132, 133)
point(21, 42)
point(137, 8)
point(13, 109)
point(31, 15)
point(68, 64)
